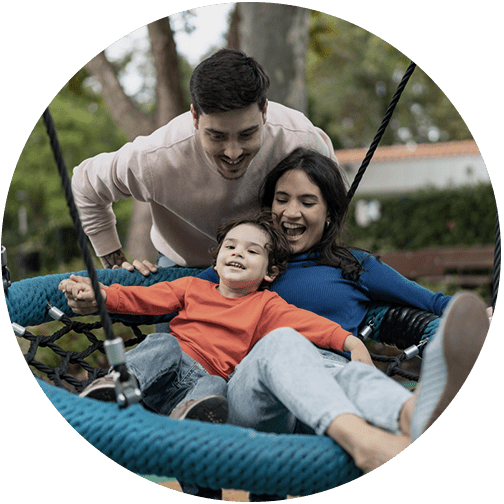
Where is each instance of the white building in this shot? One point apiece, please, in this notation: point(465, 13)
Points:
point(404, 168)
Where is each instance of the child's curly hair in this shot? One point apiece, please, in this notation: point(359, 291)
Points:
point(278, 247)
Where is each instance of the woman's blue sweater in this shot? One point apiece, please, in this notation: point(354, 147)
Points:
point(323, 290)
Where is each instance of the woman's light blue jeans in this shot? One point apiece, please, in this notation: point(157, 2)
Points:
point(285, 377)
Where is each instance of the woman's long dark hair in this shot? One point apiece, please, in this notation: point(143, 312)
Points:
point(326, 175)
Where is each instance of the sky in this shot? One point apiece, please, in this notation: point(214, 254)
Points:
point(210, 25)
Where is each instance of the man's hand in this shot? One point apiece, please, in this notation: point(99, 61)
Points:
point(357, 349)
point(145, 267)
point(80, 295)
point(117, 260)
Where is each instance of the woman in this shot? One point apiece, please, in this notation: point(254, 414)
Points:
point(307, 194)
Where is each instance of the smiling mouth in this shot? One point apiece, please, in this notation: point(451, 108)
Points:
point(230, 163)
point(293, 231)
point(235, 265)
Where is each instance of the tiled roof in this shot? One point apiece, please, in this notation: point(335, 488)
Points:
point(397, 152)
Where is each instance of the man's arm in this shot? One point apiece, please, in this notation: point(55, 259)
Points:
point(100, 181)
point(116, 258)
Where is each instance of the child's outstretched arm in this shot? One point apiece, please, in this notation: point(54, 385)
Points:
point(80, 295)
point(357, 349)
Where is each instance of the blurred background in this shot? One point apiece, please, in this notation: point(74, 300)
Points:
point(426, 203)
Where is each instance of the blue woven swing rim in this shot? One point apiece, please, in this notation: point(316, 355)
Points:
point(207, 455)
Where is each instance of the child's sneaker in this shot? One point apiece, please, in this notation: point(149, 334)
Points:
point(449, 358)
point(212, 408)
point(102, 389)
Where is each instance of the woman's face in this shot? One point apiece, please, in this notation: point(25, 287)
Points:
point(300, 209)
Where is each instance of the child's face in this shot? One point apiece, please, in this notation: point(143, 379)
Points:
point(242, 261)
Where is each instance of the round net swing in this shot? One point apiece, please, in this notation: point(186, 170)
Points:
point(207, 455)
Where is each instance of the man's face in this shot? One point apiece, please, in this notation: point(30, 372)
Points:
point(231, 139)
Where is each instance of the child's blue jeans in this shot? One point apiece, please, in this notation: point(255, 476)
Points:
point(167, 376)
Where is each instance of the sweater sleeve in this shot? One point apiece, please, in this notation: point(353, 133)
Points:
point(158, 299)
point(386, 284)
point(319, 330)
point(102, 180)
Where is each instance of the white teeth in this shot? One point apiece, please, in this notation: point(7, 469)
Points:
point(293, 231)
point(232, 162)
point(236, 265)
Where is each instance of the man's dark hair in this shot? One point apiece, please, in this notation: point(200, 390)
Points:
point(278, 248)
point(228, 80)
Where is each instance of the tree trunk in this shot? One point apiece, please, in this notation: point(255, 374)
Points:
point(170, 102)
point(135, 123)
point(130, 119)
point(277, 36)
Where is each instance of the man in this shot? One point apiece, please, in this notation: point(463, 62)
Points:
point(202, 168)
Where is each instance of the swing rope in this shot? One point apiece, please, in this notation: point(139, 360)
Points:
point(369, 155)
point(381, 130)
point(81, 237)
point(126, 388)
point(497, 262)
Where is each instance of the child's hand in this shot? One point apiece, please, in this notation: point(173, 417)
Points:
point(80, 295)
point(357, 349)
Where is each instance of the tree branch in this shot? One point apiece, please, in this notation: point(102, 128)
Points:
point(129, 118)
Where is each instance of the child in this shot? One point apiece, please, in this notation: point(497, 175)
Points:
point(216, 325)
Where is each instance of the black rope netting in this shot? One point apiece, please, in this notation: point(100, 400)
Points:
point(73, 359)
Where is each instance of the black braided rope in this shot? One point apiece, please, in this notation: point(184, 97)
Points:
point(394, 368)
point(81, 237)
point(381, 130)
point(497, 262)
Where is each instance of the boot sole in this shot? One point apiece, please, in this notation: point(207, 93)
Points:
point(464, 331)
point(211, 410)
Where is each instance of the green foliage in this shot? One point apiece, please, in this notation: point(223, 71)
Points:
point(429, 218)
point(84, 129)
point(351, 78)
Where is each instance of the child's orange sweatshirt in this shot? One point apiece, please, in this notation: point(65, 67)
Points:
point(217, 331)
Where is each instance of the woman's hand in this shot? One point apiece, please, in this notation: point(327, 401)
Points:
point(357, 349)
